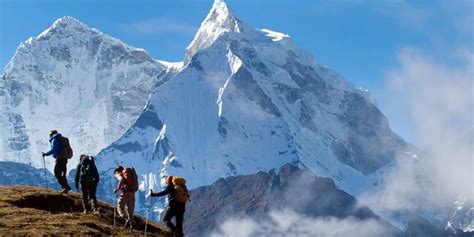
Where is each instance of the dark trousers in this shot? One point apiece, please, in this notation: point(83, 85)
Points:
point(174, 209)
point(60, 171)
point(88, 189)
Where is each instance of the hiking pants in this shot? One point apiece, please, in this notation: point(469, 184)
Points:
point(126, 199)
point(174, 209)
point(60, 171)
point(88, 194)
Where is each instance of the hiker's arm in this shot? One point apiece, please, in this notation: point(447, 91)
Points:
point(54, 148)
point(96, 174)
point(94, 168)
point(119, 185)
point(76, 179)
point(166, 191)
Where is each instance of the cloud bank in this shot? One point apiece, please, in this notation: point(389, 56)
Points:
point(437, 100)
point(289, 223)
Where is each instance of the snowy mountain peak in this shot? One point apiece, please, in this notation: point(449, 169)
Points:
point(221, 23)
point(218, 21)
point(219, 3)
point(248, 100)
point(88, 85)
point(66, 23)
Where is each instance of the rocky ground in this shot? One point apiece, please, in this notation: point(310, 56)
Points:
point(32, 211)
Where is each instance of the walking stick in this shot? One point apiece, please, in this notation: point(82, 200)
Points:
point(45, 176)
point(115, 207)
point(148, 211)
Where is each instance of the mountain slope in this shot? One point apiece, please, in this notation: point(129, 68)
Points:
point(37, 211)
point(249, 100)
point(73, 78)
point(255, 196)
point(12, 173)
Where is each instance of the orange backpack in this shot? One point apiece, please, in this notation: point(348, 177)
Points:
point(181, 191)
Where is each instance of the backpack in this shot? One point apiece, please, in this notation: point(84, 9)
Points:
point(66, 150)
point(88, 170)
point(130, 180)
point(181, 193)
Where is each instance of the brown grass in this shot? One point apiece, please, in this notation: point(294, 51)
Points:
point(35, 211)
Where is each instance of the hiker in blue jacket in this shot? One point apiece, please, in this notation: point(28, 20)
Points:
point(57, 151)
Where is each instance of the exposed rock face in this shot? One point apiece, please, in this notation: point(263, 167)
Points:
point(255, 195)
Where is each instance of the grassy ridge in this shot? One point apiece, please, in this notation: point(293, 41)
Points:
point(26, 210)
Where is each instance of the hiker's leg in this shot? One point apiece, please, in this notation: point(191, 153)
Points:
point(121, 206)
point(64, 174)
point(179, 217)
point(93, 198)
point(169, 213)
point(131, 206)
point(58, 172)
point(90, 186)
point(85, 196)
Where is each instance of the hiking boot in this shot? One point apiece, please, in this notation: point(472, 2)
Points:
point(85, 212)
point(96, 211)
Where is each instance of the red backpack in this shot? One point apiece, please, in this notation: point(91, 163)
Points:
point(130, 180)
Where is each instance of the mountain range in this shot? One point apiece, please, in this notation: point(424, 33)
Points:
point(243, 101)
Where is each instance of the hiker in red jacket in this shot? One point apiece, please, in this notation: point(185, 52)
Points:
point(127, 185)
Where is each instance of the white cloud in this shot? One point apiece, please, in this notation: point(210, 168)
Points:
point(160, 26)
point(437, 100)
point(289, 223)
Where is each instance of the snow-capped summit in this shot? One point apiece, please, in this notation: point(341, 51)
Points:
point(219, 20)
point(66, 23)
point(73, 78)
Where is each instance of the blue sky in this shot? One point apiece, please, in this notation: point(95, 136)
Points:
point(360, 39)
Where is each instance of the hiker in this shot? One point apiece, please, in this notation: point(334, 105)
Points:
point(128, 185)
point(88, 176)
point(61, 151)
point(178, 195)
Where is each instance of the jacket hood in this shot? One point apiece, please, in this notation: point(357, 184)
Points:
point(55, 136)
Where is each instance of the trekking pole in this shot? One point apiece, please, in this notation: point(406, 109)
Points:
point(115, 208)
point(45, 176)
point(148, 211)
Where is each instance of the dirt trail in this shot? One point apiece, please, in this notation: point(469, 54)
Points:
point(26, 210)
